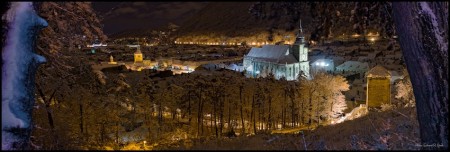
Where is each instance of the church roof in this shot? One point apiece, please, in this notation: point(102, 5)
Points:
point(273, 53)
point(378, 71)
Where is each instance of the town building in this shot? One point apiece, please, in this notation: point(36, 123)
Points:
point(352, 67)
point(285, 61)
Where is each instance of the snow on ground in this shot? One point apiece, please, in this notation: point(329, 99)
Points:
point(293, 130)
point(396, 129)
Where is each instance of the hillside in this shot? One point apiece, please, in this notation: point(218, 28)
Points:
point(278, 21)
point(228, 18)
point(271, 19)
point(232, 22)
point(396, 129)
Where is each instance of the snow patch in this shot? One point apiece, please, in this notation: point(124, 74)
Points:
point(18, 57)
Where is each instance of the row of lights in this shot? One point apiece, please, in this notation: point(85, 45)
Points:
point(207, 43)
point(224, 43)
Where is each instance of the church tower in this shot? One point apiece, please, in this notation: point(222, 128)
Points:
point(138, 57)
point(301, 51)
point(299, 44)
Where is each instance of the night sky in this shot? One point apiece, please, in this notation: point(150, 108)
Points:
point(124, 16)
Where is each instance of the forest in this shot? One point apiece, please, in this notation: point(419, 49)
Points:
point(93, 113)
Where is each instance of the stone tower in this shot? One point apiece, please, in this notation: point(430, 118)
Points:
point(378, 87)
point(138, 56)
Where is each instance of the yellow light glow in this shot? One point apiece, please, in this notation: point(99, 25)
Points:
point(356, 35)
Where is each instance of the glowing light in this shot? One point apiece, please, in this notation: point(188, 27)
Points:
point(372, 39)
point(356, 35)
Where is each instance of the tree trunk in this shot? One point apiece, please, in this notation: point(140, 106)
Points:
point(215, 119)
point(423, 35)
point(19, 65)
point(49, 113)
point(117, 132)
point(260, 117)
point(201, 103)
point(283, 111)
point(292, 112)
point(189, 106)
point(310, 108)
point(229, 117)
point(102, 133)
point(253, 114)
point(81, 118)
point(242, 115)
point(147, 121)
point(269, 125)
point(221, 115)
point(199, 114)
point(302, 117)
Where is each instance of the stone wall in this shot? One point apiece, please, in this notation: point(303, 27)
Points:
point(379, 91)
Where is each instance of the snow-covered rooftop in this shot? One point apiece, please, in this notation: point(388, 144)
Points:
point(353, 66)
point(378, 71)
point(273, 53)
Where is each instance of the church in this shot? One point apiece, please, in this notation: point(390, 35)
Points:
point(285, 61)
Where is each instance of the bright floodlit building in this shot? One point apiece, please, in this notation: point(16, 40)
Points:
point(285, 61)
point(378, 87)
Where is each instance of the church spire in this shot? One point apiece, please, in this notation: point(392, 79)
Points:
point(300, 37)
point(301, 29)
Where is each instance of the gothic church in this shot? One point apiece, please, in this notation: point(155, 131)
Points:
point(285, 61)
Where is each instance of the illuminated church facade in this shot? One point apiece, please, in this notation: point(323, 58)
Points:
point(288, 61)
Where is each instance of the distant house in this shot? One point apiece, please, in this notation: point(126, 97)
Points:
point(378, 87)
point(235, 67)
point(352, 67)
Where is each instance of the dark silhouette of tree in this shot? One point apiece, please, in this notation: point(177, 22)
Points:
point(422, 28)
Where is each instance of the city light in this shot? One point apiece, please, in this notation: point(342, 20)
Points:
point(356, 35)
point(322, 64)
